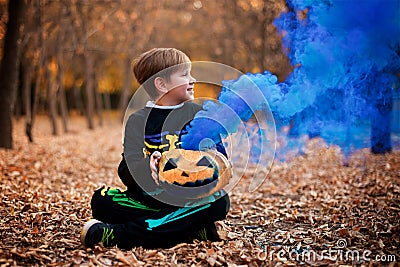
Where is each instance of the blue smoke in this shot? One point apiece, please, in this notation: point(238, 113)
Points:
point(347, 61)
point(237, 102)
point(347, 53)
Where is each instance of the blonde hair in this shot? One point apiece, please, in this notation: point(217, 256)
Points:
point(148, 64)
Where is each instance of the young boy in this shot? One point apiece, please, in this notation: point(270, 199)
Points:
point(139, 216)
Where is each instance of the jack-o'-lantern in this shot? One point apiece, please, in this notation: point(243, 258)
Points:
point(194, 174)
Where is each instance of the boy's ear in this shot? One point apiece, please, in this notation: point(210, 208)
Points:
point(161, 85)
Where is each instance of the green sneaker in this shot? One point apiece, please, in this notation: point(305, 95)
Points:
point(208, 232)
point(95, 232)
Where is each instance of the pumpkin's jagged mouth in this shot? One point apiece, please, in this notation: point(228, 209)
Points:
point(199, 182)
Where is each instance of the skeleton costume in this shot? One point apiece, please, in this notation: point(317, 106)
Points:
point(138, 216)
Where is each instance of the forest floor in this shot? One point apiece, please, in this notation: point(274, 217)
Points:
point(312, 210)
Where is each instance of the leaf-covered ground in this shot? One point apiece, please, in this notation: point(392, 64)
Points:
point(310, 211)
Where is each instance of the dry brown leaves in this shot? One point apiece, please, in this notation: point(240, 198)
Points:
point(305, 209)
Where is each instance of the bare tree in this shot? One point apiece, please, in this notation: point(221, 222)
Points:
point(127, 86)
point(51, 96)
point(89, 88)
point(60, 69)
point(32, 60)
point(9, 71)
point(27, 96)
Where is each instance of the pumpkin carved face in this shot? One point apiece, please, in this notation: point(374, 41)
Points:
point(201, 173)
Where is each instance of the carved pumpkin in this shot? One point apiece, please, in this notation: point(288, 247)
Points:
point(194, 174)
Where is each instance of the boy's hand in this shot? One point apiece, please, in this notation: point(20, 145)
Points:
point(154, 161)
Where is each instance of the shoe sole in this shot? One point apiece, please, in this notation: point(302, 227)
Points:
point(86, 228)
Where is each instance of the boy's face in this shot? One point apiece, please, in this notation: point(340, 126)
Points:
point(180, 87)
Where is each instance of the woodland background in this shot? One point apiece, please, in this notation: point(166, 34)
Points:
point(75, 56)
point(66, 69)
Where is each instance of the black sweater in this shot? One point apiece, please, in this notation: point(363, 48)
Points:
point(148, 130)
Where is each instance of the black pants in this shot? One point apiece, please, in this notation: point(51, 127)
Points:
point(136, 224)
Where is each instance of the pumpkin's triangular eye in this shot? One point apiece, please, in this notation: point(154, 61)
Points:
point(204, 162)
point(170, 165)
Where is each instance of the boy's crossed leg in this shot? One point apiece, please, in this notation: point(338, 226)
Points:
point(126, 222)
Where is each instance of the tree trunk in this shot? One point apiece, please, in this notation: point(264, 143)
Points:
point(107, 101)
point(60, 70)
point(9, 71)
point(99, 107)
point(98, 101)
point(35, 100)
point(51, 98)
point(127, 87)
point(61, 90)
point(76, 91)
point(89, 89)
point(34, 92)
point(27, 96)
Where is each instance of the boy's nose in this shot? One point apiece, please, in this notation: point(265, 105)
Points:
point(192, 79)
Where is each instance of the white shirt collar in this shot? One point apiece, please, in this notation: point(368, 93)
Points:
point(151, 104)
